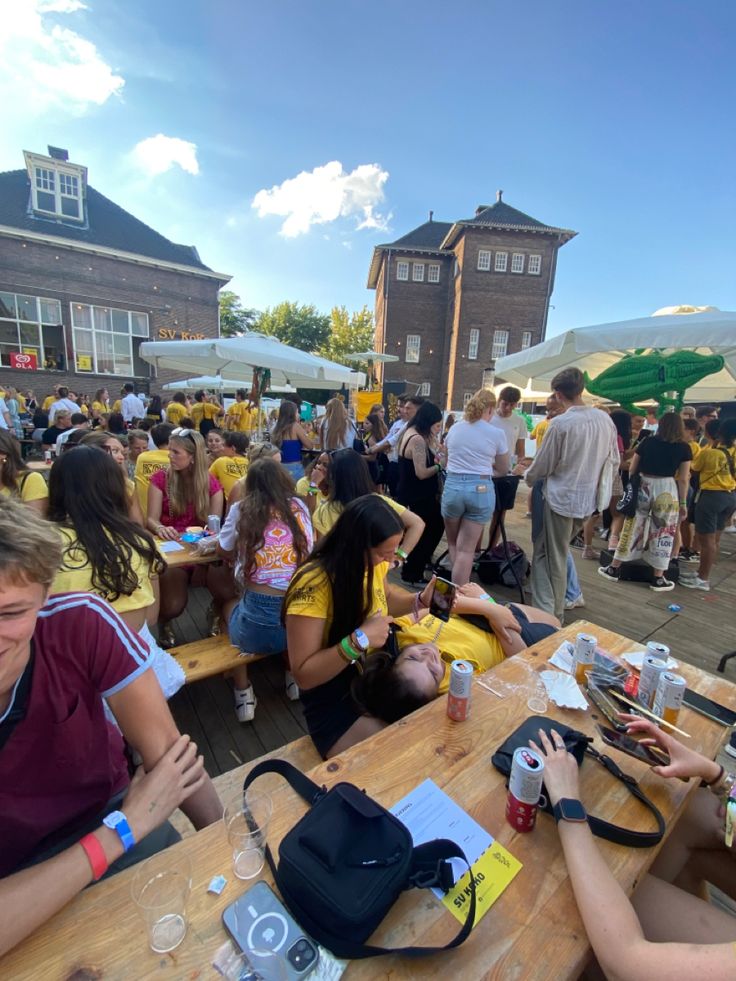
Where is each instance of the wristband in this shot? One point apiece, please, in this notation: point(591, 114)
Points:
point(95, 855)
point(712, 784)
point(401, 553)
point(415, 605)
point(348, 651)
point(683, 504)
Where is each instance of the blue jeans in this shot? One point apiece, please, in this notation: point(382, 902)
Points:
point(255, 624)
point(462, 497)
point(295, 469)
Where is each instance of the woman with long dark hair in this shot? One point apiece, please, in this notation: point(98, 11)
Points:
point(374, 432)
point(182, 495)
point(419, 485)
point(16, 480)
point(154, 409)
point(338, 608)
point(266, 535)
point(112, 445)
point(290, 437)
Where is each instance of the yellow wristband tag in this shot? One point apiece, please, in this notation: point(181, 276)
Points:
point(730, 821)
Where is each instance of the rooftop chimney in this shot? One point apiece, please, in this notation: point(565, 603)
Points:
point(431, 215)
point(499, 197)
point(58, 154)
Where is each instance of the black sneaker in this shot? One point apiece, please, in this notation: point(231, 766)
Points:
point(661, 585)
point(730, 746)
point(609, 573)
point(578, 541)
point(687, 555)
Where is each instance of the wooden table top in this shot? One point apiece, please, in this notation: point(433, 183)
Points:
point(100, 931)
point(40, 465)
point(189, 556)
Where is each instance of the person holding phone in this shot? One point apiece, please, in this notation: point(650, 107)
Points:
point(338, 609)
point(663, 931)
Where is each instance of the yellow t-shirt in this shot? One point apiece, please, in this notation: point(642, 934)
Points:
point(99, 407)
point(313, 597)
point(695, 448)
point(229, 470)
point(458, 640)
point(238, 417)
point(84, 409)
point(117, 406)
point(48, 402)
point(175, 412)
point(75, 576)
point(203, 410)
point(302, 490)
point(31, 486)
point(147, 464)
point(538, 432)
point(327, 513)
point(712, 465)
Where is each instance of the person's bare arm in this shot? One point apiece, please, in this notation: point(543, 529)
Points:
point(682, 479)
point(418, 451)
point(134, 509)
point(471, 599)
point(520, 448)
point(501, 465)
point(217, 502)
point(303, 438)
point(310, 662)
point(413, 529)
point(153, 521)
point(147, 725)
point(41, 505)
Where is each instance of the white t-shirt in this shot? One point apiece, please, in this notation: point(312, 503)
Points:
point(132, 407)
point(59, 406)
point(3, 411)
point(514, 426)
point(472, 447)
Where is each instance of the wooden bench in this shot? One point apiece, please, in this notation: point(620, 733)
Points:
point(213, 655)
point(301, 753)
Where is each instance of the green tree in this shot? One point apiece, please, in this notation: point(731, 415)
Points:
point(299, 325)
point(235, 319)
point(349, 333)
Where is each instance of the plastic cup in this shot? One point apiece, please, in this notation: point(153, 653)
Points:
point(246, 818)
point(538, 701)
point(160, 889)
point(255, 965)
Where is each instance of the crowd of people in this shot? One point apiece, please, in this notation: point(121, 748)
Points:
point(324, 560)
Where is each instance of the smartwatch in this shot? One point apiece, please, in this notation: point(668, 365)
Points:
point(117, 821)
point(567, 809)
point(361, 639)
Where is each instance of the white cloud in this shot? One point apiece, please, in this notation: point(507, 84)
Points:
point(323, 195)
point(157, 154)
point(46, 66)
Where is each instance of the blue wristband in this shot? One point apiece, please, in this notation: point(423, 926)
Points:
point(118, 822)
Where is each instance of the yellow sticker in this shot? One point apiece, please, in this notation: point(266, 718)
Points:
point(493, 871)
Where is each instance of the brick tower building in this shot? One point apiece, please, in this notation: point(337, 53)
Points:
point(452, 297)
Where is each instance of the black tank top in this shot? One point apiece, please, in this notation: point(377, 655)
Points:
point(410, 488)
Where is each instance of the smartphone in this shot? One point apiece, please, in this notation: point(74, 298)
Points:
point(630, 746)
point(600, 697)
point(709, 708)
point(443, 597)
point(258, 920)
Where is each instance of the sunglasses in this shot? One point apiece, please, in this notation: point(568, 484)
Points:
point(180, 431)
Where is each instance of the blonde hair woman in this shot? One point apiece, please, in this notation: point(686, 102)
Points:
point(476, 451)
point(336, 431)
point(181, 495)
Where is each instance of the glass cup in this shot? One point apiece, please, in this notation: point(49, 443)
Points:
point(160, 889)
point(537, 701)
point(246, 818)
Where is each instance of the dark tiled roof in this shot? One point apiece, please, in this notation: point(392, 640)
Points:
point(501, 213)
point(430, 235)
point(107, 224)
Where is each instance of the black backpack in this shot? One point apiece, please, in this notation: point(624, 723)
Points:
point(345, 863)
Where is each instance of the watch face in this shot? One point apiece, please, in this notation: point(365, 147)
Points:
point(572, 810)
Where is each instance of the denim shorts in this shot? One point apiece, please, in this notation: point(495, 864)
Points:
point(255, 624)
point(295, 469)
point(464, 498)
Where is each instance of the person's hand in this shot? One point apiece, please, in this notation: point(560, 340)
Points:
point(153, 796)
point(376, 629)
point(561, 776)
point(520, 469)
point(683, 513)
point(167, 534)
point(502, 621)
point(683, 763)
point(472, 590)
point(425, 597)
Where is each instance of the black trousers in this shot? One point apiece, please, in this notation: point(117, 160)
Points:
point(434, 529)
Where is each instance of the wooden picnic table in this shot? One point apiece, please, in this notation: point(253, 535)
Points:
point(188, 555)
point(40, 465)
point(533, 931)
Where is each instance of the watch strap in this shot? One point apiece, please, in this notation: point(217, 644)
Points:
point(118, 822)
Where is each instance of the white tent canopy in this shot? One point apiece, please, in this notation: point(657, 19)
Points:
point(593, 349)
point(236, 357)
point(214, 383)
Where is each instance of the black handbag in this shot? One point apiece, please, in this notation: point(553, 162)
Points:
point(626, 505)
point(579, 745)
point(345, 863)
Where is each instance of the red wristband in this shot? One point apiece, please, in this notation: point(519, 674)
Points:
point(95, 855)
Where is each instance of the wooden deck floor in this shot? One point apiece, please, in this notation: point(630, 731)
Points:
point(701, 633)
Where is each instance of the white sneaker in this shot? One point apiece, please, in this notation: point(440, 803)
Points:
point(245, 703)
point(574, 604)
point(292, 688)
point(731, 530)
point(695, 583)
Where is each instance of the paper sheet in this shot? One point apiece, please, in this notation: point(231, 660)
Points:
point(170, 547)
point(429, 813)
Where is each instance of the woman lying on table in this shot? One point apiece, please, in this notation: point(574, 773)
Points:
point(479, 630)
point(663, 932)
point(63, 770)
point(338, 609)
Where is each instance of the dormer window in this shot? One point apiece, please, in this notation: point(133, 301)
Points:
point(57, 187)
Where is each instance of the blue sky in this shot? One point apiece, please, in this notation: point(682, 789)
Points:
point(286, 139)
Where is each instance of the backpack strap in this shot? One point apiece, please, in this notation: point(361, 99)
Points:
point(614, 833)
point(729, 461)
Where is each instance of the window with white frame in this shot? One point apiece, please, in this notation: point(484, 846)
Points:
point(32, 325)
point(103, 339)
point(500, 344)
point(424, 389)
point(433, 272)
point(417, 272)
point(467, 396)
point(57, 192)
point(413, 346)
point(484, 260)
point(502, 259)
point(402, 270)
point(526, 340)
point(473, 343)
point(517, 262)
point(534, 266)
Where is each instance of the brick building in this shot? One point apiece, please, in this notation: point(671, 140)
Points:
point(83, 283)
point(452, 297)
